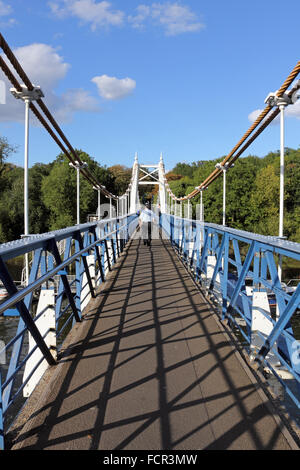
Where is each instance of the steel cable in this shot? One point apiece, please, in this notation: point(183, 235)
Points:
point(20, 71)
point(230, 158)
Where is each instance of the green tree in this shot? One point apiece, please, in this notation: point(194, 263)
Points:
point(122, 177)
point(264, 202)
point(6, 150)
point(59, 191)
point(38, 212)
point(12, 210)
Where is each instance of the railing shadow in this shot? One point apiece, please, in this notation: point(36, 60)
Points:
point(122, 344)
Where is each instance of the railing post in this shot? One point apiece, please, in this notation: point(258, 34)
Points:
point(107, 253)
point(194, 239)
point(112, 244)
point(225, 276)
point(117, 239)
point(202, 258)
point(98, 257)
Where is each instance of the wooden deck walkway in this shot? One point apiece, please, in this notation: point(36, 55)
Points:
point(150, 368)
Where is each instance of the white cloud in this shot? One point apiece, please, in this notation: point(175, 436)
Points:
point(173, 17)
point(73, 101)
point(112, 88)
point(290, 111)
point(176, 18)
point(142, 13)
point(254, 115)
point(293, 110)
point(5, 9)
point(46, 68)
point(98, 14)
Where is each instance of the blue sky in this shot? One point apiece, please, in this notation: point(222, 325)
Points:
point(178, 77)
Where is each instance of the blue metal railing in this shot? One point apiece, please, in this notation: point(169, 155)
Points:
point(88, 254)
point(240, 271)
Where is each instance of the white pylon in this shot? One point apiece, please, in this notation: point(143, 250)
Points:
point(134, 197)
point(162, 185)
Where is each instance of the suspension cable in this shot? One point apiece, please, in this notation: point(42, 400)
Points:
point(261, 119)
point(71, 154)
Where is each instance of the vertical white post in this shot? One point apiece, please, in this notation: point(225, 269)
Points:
point(224, 168)
point(26, 192)
point(162, 187)
point(99, 204)
point(224, 196)
point(134, 195)
point(26, 203)
point(281, 204)
point(78, 166)
point(201, 206)
point(281, 197)
point(78, 195)
point(189, 209)
point(27, 96)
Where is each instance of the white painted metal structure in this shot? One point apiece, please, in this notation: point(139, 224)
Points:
point(152, 174)
point(27, 96)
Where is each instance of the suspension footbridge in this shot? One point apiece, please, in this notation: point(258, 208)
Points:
point(161, 347)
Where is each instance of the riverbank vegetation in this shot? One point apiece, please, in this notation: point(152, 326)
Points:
point(252, 192)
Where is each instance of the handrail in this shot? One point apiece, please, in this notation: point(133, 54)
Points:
point(213, 256)
point(103, 241)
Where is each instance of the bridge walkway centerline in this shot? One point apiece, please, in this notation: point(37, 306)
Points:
point(150, 368)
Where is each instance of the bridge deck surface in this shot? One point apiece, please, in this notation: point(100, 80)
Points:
point(149, 368)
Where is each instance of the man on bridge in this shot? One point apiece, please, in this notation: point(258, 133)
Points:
point(146, 219)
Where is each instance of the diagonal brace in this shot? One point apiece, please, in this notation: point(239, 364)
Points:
point(53, 248)
point(98, 257)
point(85, 265)
point(280, 325)
point(218, 263)
point(25, 314)
point(242, 276)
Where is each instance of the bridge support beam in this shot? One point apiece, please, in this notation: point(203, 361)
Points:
point(134, 195)
point(162, 185)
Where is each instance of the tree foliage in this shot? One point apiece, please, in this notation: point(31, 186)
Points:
point(252, 192)
point(252, 201)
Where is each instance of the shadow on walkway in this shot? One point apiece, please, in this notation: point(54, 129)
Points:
point(150, 369)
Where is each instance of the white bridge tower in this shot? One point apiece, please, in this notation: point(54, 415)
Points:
point(153, 174)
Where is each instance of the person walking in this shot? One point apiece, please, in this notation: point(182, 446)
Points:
point(146, 219)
